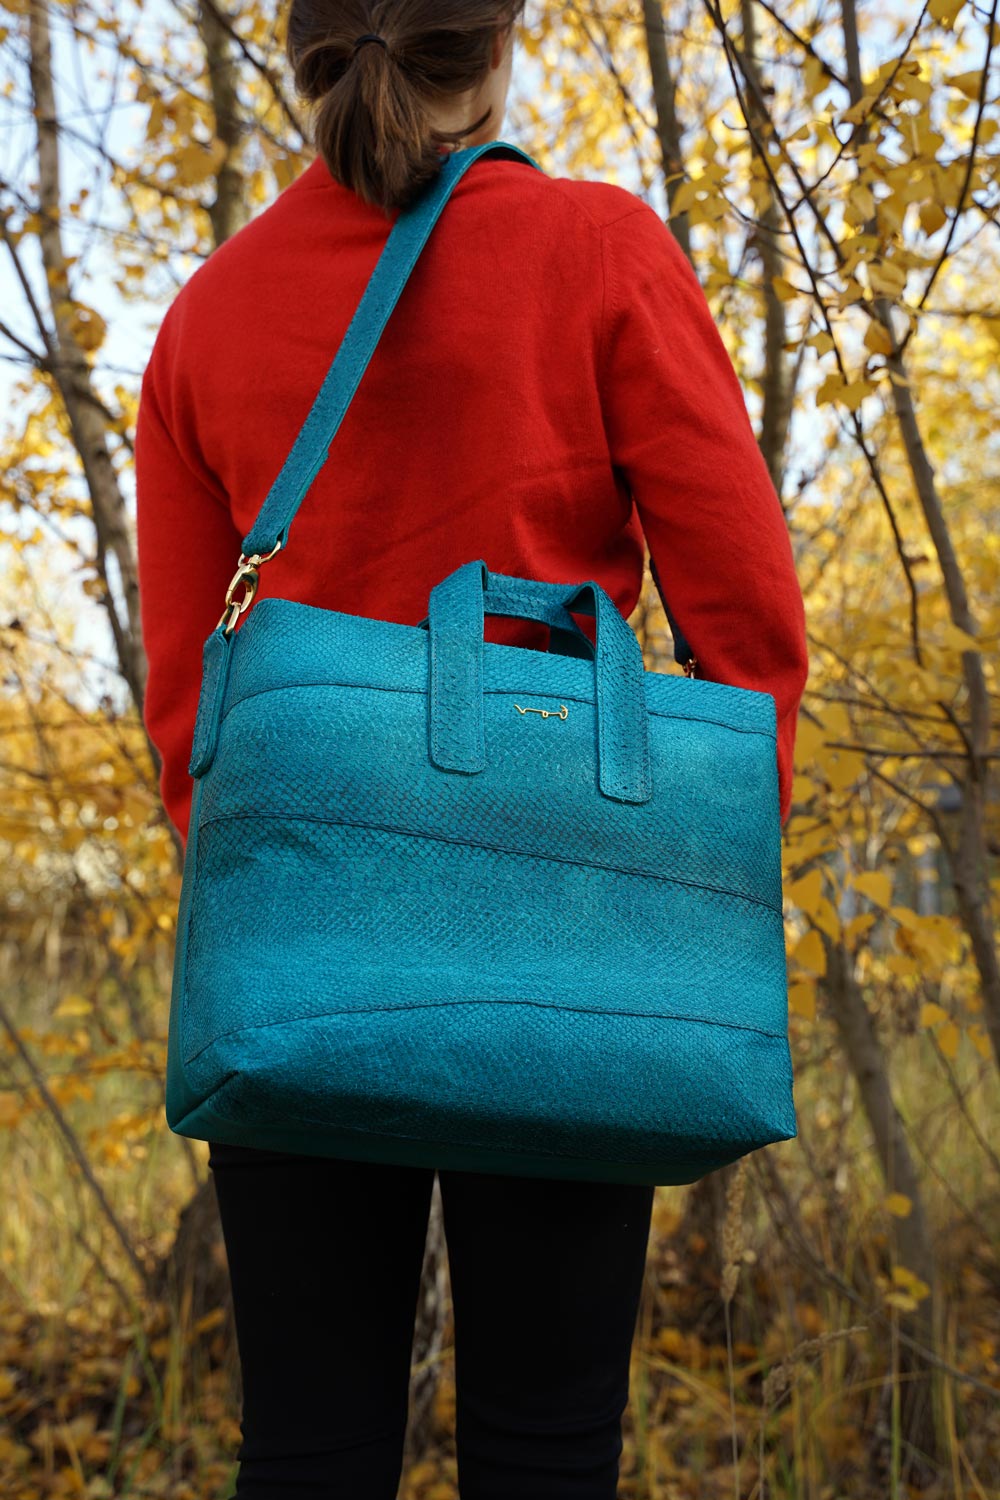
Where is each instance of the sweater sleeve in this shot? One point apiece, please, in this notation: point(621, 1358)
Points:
point(680, 435)
point(188, 550)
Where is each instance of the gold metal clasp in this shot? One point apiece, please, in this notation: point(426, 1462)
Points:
point(247, 575)
point(546, 713)
point(690, 665)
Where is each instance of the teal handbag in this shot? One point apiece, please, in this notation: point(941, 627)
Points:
point(465, 905)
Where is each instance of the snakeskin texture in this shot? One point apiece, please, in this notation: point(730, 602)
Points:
point(457, 607)
point(505, 970)
point(457, 904)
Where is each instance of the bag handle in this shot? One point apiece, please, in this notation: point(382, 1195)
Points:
point(399, 255)
point(566, 638)
point(457, 606)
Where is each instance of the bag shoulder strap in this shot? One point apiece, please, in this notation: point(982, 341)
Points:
point(406, 239)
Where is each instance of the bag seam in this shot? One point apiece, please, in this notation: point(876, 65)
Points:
point(375, 687)
point(539, 1153)
point(374, 1010)
point(467, 843)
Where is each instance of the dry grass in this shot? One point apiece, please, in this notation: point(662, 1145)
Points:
point(777, 1379)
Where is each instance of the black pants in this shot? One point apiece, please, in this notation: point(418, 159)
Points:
point(325, 1259)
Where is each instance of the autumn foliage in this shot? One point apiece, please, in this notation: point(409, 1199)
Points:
point(821, 1321)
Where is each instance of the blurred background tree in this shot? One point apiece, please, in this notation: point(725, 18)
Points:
point(823, 1318)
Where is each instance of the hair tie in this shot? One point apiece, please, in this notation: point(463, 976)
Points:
point(369, 36)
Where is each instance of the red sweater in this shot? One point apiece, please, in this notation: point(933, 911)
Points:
point(550, 388)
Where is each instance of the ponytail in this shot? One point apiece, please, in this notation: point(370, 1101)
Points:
point(372, 72)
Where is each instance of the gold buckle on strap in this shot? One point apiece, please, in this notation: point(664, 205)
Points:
point(246, 574)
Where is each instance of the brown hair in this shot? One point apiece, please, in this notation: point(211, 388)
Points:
point(370, 121)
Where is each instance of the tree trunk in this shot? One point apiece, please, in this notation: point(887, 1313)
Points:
point(704, 1210)
point(229, 209)
point(970, 862)
point(776, 377)
point(668, 130)
point(912, 1246)
point(68, 367)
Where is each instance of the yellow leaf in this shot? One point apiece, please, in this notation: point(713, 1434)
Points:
point(842, 768)
point(861, 203)
point(802, 999)
point(708, 210)
point(195, 162)
point(830, 389)
point(967, 83)
point(874, 884)
point(827, 920)
point(808, 742)
point(835, 388)
point(911, 1282)
point(857, 111)
point(857, 927)
point(684, 198)
point(73, 1005)
point(815, 76)
point(977, 1036)
point(945, 11)
point(10, 1108)
point(821, 342)
point(803, 788)
point(931, 1014)
point(155, 122)
point(911, 86)
point(932, 216)
point(809, 952)
point(953, 638)
point(812, 840)
point(899, 1205)
point(937, 938)
point(88, 327)
point(886, 278)
point(836, 720)
point(785, 290)
point(257, 187)
point(948, 1039)
point(807, 893)
point(877, 339)
point(284, 171)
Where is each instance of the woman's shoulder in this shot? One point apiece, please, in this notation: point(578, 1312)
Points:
point(618, 223)
point(545, 209)
point(600, 202)
point(236, 272)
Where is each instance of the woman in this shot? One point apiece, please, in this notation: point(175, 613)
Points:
point(550, 391)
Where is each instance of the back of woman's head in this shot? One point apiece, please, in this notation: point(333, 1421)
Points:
point(371, 103)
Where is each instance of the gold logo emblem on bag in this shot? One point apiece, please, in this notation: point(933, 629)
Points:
point(546, 713)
